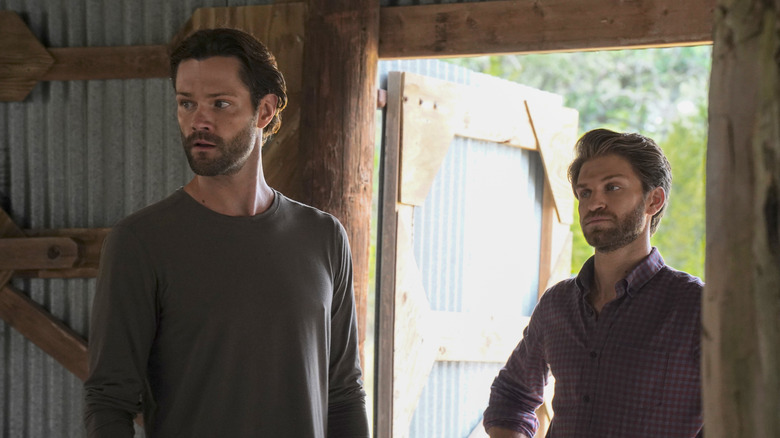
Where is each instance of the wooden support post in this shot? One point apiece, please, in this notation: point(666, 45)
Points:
point(741, 308)
point(337, 123)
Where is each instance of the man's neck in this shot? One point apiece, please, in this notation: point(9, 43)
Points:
point(611, 267)
point(245, 193)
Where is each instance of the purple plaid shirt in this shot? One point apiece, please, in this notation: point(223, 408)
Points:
point(631, 373)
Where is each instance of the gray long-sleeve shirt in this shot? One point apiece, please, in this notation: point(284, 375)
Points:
point(225, 326)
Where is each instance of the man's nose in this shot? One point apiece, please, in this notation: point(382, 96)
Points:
point(202, 120)
point(596, 202)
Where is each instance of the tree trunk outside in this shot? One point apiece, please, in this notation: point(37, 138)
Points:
point(741, 308)
point(337, 124)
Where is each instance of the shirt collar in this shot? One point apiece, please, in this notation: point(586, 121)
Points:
point(636, 278)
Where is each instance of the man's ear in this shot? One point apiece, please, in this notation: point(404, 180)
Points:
point(266, 110)
point(655, 201)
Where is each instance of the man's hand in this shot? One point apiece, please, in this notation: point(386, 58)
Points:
point(500, 432)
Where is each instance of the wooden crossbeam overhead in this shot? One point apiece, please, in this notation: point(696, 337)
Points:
point(430, 31)
point(462, 29)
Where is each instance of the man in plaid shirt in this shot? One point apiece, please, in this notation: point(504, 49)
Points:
point(622, 338)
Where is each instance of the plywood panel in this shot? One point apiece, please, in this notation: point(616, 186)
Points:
point(556, 130)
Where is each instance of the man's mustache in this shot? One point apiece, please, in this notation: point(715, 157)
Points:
point(203, 136)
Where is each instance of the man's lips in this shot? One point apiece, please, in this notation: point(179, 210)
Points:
point(596, 219)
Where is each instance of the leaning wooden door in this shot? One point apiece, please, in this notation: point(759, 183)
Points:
point(474, 223)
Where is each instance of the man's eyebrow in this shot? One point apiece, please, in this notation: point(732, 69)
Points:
point(606, 178)
point(616, 175)
point(219, 94)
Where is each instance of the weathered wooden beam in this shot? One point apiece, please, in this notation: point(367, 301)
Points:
point(32, 320)
point(741, 306)
point(420, 31)
point(465, 337)
point(521, 26)
point(388, 259)
point(126, 62)
point(23, 60)
point(45, 331)
point(337, 123)
point(90, 243)
point(38, 253)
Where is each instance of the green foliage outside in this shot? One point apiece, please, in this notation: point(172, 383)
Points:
point(660, 93)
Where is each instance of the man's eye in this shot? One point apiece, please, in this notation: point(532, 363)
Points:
point(584, 194)
point(185, 104)
point(612, 187)
point(221, 104)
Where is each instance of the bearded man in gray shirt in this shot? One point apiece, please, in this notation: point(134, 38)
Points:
point(226, 309)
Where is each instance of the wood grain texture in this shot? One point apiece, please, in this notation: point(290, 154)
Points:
point(34, 322)
point(42, 329)
point(741, 306)
point(416, 337)
point(430, 112)
point(90, 244)
point(23, 60)
point(337, 124)
point(521, 26)
point(38, 253)
point(122, 62)
point(387, 256)
point(466, 337)
point(555, 128)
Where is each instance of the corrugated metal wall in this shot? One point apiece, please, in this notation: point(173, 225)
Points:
point(477, 243)
point(81, 154)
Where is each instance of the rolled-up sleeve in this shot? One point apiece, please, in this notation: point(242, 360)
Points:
point(518, 390)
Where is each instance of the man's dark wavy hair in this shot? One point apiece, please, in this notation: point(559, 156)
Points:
point(646, 158)
point(258, 66)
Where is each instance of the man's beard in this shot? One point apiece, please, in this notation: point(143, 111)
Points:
point(627, 229)
point(231, 157)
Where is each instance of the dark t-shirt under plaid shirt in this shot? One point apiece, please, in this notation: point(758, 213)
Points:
point(632, 372)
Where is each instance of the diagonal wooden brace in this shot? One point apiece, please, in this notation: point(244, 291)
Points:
point(32, 320)
point(42, 329)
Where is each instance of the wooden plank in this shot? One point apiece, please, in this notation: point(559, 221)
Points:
point(428, 122)
point(520, 26)
point(8, 229)
point(436, 110)
point(122, 62)
point(90, 241)
point(741, 303)
point(23, 60)
point(416, 336)
point(505, 120)
point(45, 331)
point(38, 253)
point(386, 254)
point(337, 151)
point(555, 128)
point(465, 337)
point(549, 218)
point(420, 31)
